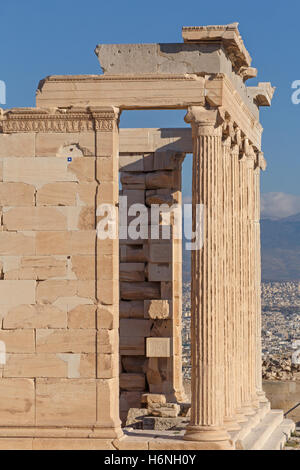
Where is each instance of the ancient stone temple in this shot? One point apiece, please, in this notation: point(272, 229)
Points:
point(91, 325)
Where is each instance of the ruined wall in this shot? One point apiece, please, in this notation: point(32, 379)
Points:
point(59, 283)
point(150, 285)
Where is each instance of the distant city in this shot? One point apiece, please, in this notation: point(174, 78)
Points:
point(280, 320)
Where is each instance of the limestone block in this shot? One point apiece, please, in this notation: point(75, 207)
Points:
point(130, 400)
point(34, 365)
point(133, 180)
point(168, 410)
point(164, 328)
point(82, 169)
point(134, 196)
point(133, 254)
point(39, 170)
point(18, 341)
point(107, 341)
point(158, 347)
point(107, 193)
point(35, 316)
point(135, 417)
point(107, 169)
point(132, 345)
point(86, 193)
point(150, 399)
point(139, 290)
point(50, 291)
point(131, 163)
point(135, 364)
point(107, 317)
point(34, 218)
point(82, 316)
point(131, 272)
point(1, 170)
point(34, 267)
point(159, 197)
point(17, 399)
point(132, 382)
point(13, 243)
point(167, 160)
point(133, 327)
point(107, 366)
point(160, 253)
point(71, 144)
point(131, 309)
point(159, 179)
point(167, 290)
point(65, 341)
point(159, 272)
point(13, 293)
point(106, 143)
point(108, 291)
point(14, 443)
point(157, 309)
point(83, 267)
point(16, 194)
point(65, 402)
point(108, 402)
point(83, 242)
point(72, 444)
point(57, 194)
point(107, 266)
point(17, 145)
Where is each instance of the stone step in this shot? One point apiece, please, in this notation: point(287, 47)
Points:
point(260, 434)
point(279, 437)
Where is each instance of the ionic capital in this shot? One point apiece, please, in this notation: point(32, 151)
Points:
point(261, 162)
point(204, 121)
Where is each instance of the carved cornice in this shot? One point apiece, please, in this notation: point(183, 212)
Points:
point(58, 120)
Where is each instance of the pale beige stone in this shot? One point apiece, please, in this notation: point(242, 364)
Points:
point(158, 347)
point(157, 309)
point(38, 170)
point(108, 406)
point(18, 341)
point(51, 145)
point(34, 365)
point(17, 402)
point(107, 317)
point(83, 267)
point(17, 194)
point(152, 399)
point(35, 316)
point(17, 145)
point(13, 293)
point(65, 341)
point(17, 243)
point(107, 366)
point(57, 194)
point(34, 218)
point(81, 169)
point(65, 402)
point(82, 316)
point(71, 444)
point(107, 341)
point(68, 243)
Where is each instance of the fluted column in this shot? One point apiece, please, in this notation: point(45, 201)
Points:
point(230, 285)
point(260, 165)
point(207, 345)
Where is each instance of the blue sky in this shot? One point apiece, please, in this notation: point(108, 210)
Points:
point(41, 38)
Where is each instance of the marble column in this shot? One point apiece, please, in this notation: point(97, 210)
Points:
point(260, 164)
point(207, 347)
point(229, 292)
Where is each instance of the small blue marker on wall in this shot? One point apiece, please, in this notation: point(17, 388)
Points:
point(69, 159)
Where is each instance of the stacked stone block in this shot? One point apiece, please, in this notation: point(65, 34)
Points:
point(150, 283)
point(59, 283)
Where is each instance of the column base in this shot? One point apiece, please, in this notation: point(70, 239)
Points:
point(231, 423)
point(207, 434)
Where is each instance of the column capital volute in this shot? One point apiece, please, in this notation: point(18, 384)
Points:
point(227, 141)
point(261, 162)
point(204, 121)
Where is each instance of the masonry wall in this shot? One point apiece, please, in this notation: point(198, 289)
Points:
point(59, 284)
point(150, 285)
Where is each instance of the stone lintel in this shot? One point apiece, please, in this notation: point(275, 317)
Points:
point(228, 35)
